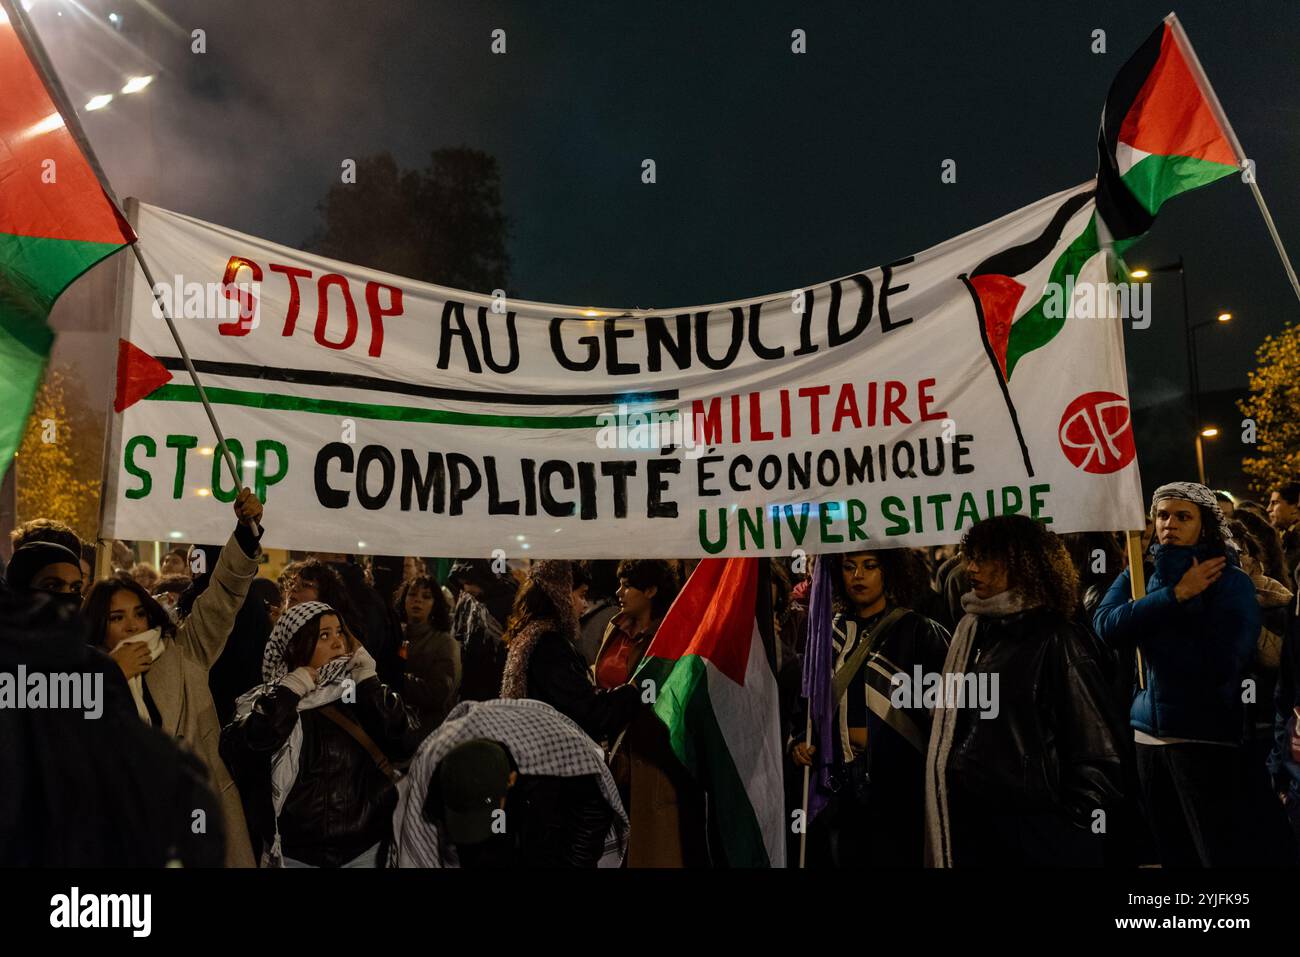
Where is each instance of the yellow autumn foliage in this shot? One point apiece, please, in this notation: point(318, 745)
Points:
point(57, 471)
point(1274, 407)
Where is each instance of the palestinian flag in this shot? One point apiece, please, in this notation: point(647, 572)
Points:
point(712, 662)
point(56, 221)
point(1162, 133)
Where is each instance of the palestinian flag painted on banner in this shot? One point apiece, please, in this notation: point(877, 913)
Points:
point(56, 222)
point(713, 666)
point(1162, 133)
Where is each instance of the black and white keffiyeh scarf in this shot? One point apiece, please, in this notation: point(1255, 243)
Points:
point(1197, 494)
point(542, 742)
point(332, 682)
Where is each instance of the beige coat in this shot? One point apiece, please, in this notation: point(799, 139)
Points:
point(666, 808)
point(178, 684)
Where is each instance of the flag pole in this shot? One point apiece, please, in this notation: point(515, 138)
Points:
point(1216, 108)
point(807, 775)
point(189, 367)
point(1138, 585)
point(31, 43)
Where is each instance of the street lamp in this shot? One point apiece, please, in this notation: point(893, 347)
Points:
point(1207, 433)
point(1193, 371)
point(136, 84)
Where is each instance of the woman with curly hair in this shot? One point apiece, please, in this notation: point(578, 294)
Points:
point(1018, 770)
point(1196, 629)
point(876, 817)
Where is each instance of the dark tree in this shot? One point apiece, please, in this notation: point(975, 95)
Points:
point(442, 224)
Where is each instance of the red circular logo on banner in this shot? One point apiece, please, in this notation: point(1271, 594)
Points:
point(1096, 432)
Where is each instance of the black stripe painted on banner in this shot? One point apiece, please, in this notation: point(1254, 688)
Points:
point(1020, 259)
point(342, 380)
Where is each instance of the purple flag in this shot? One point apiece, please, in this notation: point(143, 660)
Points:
point(818, 663)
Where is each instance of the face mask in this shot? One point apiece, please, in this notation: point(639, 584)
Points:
point(65, 601)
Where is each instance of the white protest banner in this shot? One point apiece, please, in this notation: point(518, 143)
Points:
point(896, 406)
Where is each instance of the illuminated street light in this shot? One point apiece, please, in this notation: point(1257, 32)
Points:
point(1225, 317)
point(1208, 432)
point(1139, 274)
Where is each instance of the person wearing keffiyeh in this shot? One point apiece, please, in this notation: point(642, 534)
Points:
point(523, 758)
point(1196, 631)
point(320, 734)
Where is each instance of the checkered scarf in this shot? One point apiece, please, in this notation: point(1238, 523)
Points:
point(331, 683)
point(274, 666)
point(542, 742)
point(1198, 495)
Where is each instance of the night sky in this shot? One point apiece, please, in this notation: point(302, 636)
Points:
point(775, 170)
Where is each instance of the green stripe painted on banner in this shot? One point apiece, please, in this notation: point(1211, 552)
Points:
point(365, 410)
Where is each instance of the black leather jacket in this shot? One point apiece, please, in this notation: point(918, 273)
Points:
point(1053, 745)
point(341, 803)
point(557, 674)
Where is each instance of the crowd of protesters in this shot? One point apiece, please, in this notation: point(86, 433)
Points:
point(1096, 729)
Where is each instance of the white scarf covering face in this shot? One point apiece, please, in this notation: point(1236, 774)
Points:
point(152, 637)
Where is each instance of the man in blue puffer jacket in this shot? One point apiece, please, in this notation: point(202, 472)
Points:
point(1196, 630)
